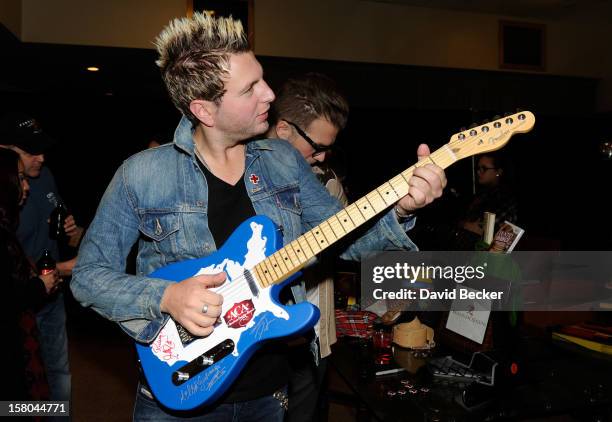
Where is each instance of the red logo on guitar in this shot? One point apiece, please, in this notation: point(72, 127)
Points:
point(240, 314)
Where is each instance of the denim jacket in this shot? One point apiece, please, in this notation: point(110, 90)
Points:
point(159, 197)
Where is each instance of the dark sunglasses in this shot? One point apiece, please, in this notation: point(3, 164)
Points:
point(318, 149)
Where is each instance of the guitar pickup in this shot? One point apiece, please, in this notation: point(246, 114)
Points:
point(193, 368)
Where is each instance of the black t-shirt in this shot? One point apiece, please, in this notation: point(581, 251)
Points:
point(267, 370)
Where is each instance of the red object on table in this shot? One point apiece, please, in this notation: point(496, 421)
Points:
point(355, 323)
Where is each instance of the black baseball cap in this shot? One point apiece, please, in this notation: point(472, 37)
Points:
point(24, 132)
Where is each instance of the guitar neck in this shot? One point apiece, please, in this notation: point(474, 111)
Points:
point(294, 256)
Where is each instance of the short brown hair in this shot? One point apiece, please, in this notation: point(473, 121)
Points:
point(194, 55)
point(310, 96)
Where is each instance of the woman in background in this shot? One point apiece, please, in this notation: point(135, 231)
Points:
point(22, 292)
point(494, 195)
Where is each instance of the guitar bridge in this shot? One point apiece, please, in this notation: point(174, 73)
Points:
point(193, 368)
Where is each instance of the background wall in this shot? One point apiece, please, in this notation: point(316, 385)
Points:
point(351, 30)
point(114, 23)
point(10, 16)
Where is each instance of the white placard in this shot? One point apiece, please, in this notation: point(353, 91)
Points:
point(470, 323)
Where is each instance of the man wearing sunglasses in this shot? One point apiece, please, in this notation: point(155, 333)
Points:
point(309, 111)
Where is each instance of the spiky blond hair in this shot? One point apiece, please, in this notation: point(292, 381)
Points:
point(194, 56)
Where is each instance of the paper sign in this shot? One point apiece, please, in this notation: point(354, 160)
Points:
point(473, 322)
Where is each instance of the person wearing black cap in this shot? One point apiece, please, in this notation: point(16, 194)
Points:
point(22, 134)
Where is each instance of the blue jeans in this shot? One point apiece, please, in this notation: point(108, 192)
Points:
point(51, 320)
point(264, 409)
point(305, 383)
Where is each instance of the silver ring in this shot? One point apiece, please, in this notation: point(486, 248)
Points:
point(204, 308)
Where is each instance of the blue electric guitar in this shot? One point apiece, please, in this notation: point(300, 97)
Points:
point(186, 372)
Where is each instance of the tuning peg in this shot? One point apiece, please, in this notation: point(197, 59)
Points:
point(496, 117)
point(462, 129)
point(485, 121)
point(506, 114)
point(518, 110)
point(473, 125)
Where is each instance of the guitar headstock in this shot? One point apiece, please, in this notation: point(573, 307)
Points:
point(490, 136)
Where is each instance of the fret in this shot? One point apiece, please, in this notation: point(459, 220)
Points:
point(376, 201)
point(345, 221)
point(319, 237)
point(299, 254)
point(355, 215)
point(426, 160)
point(308, 253)
point(380, 199)
point(388, 194)
point(266, 274)
point(393, 182)
point(299, 250)
point(286, 258)
point(365, 208)
point(400, 185)
point(312, 241)
point(267, 269)
point(328, 231)
point(336, 226)
point(294, 260)
point(263, 278)
point(278, 261)
point(406, 175)
point(273, 262)
point(358, 208)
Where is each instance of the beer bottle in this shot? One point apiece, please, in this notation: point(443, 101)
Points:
point(46, 263)
point(57, 220)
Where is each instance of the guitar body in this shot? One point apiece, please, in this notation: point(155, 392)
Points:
point(187, 373)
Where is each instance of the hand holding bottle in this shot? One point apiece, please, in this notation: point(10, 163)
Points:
point(57, 220)
point(47, 271)
point(73, 232)
point(51, 280)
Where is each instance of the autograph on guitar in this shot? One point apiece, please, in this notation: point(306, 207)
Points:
point(186, 372)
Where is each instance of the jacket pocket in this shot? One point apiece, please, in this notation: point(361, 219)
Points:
point(159, 226)
point(289, 211)
point(288, 198)
point(162, 230)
